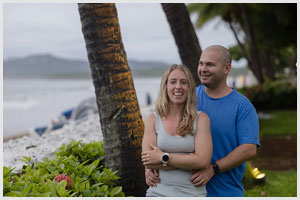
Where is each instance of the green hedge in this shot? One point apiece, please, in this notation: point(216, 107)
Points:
point(276, 95)
point(76, 171)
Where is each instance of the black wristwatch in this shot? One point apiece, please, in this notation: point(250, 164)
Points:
point(216, 168)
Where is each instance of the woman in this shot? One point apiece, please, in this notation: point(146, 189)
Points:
point(177, 139)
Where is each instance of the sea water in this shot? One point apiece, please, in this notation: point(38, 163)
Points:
point(35, 102)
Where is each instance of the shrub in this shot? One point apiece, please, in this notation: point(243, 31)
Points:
point(76, 171)
point(272, 95)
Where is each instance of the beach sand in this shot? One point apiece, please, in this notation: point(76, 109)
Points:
point(39, 147)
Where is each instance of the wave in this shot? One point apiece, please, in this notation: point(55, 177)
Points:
point(20, 105)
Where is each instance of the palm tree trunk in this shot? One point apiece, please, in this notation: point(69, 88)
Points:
point(253, 58)
point(241, 46)
point(184, 35)
point(121, 122)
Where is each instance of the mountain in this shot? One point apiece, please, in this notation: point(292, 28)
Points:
point(49, 66)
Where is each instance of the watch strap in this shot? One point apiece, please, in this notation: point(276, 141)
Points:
point(165, 163)
point(216, 168)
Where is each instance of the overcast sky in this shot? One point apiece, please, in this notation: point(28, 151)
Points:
point(55, 28)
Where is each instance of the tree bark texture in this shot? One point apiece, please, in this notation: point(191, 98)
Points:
point(120, 117)
point(253, 55)
point(184, 35)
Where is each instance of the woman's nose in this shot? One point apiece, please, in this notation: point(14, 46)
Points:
point(178, 86)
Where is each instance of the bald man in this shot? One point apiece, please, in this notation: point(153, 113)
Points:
point(234, 127)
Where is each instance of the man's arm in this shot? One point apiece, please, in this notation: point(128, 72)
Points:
point(159, 167)
point(235, 158)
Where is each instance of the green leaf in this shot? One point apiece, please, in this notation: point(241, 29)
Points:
point(95, 164)
point(80, 166)
point(61, 166)
point(82, 186)
point(25, 159)
point(50, 186)
point(87, 193)
point(7, 171)
point(14, 194)
point(61, 187)
point(115, 191)
point(103, 188)
point(96, 185)
point(87, 170)
point(26, 190)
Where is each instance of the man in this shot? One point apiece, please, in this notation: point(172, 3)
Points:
point(234, 127)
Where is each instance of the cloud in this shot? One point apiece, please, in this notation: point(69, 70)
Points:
point(55, 28)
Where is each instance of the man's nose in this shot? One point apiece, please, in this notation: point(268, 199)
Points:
point(203, 68)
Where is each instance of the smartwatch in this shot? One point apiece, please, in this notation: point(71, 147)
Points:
point(165, 158)
point(216, 168)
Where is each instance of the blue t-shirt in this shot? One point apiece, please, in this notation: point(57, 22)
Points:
point(233, 122)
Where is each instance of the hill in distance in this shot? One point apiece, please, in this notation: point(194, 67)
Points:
point(49, 66)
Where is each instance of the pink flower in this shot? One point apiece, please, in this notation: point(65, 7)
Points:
point(60, 177)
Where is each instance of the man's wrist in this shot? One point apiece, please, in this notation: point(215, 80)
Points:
point(215, 167)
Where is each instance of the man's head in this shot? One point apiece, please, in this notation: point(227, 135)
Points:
point(214, 66)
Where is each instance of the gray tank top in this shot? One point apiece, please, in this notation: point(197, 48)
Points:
point(175, 183)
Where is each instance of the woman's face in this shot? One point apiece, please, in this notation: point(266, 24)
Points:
point(177, 87)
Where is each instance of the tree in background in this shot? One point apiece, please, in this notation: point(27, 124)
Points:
point(184, 35)
point(121, 122)
point(268, 31)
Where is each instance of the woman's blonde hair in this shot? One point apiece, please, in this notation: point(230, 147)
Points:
point(189, 111)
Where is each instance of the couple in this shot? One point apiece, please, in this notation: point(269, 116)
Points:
point(199, 153)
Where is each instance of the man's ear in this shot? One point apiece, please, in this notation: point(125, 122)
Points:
point(227, 68)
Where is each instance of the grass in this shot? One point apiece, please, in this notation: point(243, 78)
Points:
point(278, 184)
point(284, 123)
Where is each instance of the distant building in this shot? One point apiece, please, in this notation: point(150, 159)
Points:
point(241, 80)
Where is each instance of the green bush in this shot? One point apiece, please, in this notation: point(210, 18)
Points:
point(272, 95)
point(82, 163)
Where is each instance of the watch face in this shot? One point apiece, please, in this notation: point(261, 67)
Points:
point(165, 158)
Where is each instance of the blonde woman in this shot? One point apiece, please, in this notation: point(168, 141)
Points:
point(177, 138)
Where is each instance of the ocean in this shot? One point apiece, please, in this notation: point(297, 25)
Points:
point(35, 102)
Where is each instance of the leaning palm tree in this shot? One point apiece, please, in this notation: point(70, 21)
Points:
point(237, 17)
point(184, 35)
point(120, 117)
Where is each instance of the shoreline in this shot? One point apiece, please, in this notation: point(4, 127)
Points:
point(14, 136)
point(39, 147)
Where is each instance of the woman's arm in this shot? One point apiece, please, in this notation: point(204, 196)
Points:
point(150, 140)
point(197, 160)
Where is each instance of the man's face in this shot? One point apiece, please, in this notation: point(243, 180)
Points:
point(212, 69)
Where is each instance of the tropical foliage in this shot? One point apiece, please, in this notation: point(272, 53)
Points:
point(272, 95)
point(76, 171)
point(266, 33)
